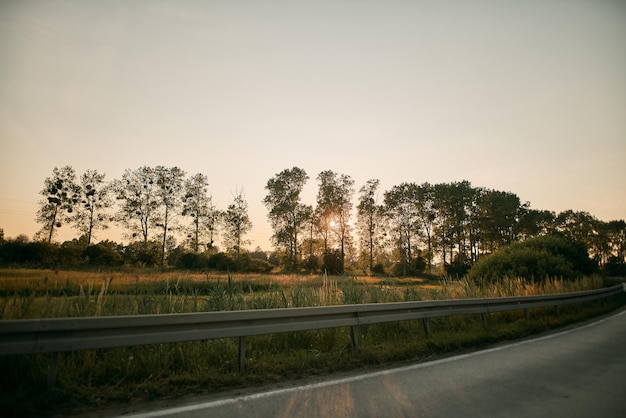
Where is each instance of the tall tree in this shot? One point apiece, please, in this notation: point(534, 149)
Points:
point(578, 226)
point(334, 206)
point(534, 222)
point(137, 193)
point(401, 207)
point(498, 214)
point(288, 216)
point(95, 199)
point(237, 223)
point(169, 186)
point(426, 211)
point(369, 219)
point(616, 236)
point(198, 205)
point(61, 195)
point(453, 202)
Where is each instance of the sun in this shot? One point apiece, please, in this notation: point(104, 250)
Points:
point(333, 224)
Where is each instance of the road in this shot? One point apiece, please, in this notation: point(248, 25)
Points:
point(576, 373)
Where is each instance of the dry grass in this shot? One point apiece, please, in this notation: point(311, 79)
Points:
point(167, 370)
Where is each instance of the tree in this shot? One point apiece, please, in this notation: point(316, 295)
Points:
point(401, 210)
point(136, 192)
point(426, 211)
point(60, 199)
point(237, 223)
point(95, 199)
point(579, 226)
point(616, 236)
point(169, 186)
point(198, 205)
point(533, 222)
point(453, 203)
point(369, 219)
point(497, 218)
point(288, 216)
point(334, 204)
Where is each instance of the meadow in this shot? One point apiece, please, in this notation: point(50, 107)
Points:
point(92, 379)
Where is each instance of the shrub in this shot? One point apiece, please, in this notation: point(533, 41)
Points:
point(378, 268)
point(333, 262)
point(534, 260)
point(192, 261)
point(220, 261)
point(24, 253)
point(103, 254)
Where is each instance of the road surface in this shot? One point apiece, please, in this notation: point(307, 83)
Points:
point(576, 373)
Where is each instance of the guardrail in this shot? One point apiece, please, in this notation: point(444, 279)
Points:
point(56, 335)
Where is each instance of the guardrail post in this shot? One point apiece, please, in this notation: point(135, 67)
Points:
point(354, 336)
point(556, 310)
point(52, 370)
point(526, 316)
point(483, 317)
point(426, 326)
point(242, 353)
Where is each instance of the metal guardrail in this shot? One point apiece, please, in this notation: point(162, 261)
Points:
point(69, 334)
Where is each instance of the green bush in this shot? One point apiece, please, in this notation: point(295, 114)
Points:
point(534, 260)
point(192, 261)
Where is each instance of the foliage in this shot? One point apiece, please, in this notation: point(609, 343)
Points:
point(333, 211)
point(535, 259)
point(136, 192)
point(237, 224)
point(21, 252)
point(169, 187)
point(286, 213)
point(198, 205)
point(61, 195)
point(370, 217)
point(449, 225)
point(95, 199)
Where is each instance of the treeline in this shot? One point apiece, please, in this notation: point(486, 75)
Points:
point(76, 253)
point(408, 229)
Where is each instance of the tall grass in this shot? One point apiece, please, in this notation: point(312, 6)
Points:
point(92, 378)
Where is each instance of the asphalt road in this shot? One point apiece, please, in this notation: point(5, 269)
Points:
point(575, 373)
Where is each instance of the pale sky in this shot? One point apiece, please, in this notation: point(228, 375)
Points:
point(520, 96)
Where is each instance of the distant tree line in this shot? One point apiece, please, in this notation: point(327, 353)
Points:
point(406, 230)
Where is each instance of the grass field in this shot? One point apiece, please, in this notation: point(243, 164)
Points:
point(95, 378)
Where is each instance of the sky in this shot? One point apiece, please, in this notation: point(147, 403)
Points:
point(521, 96)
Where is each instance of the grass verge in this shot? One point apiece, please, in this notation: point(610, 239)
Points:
point(93, 379)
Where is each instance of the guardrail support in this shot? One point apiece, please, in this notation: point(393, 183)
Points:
point(242, 353)
point(483, 317)
point(52, 370)
point(426, 326)
point(526, 315)
point(354, 337)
